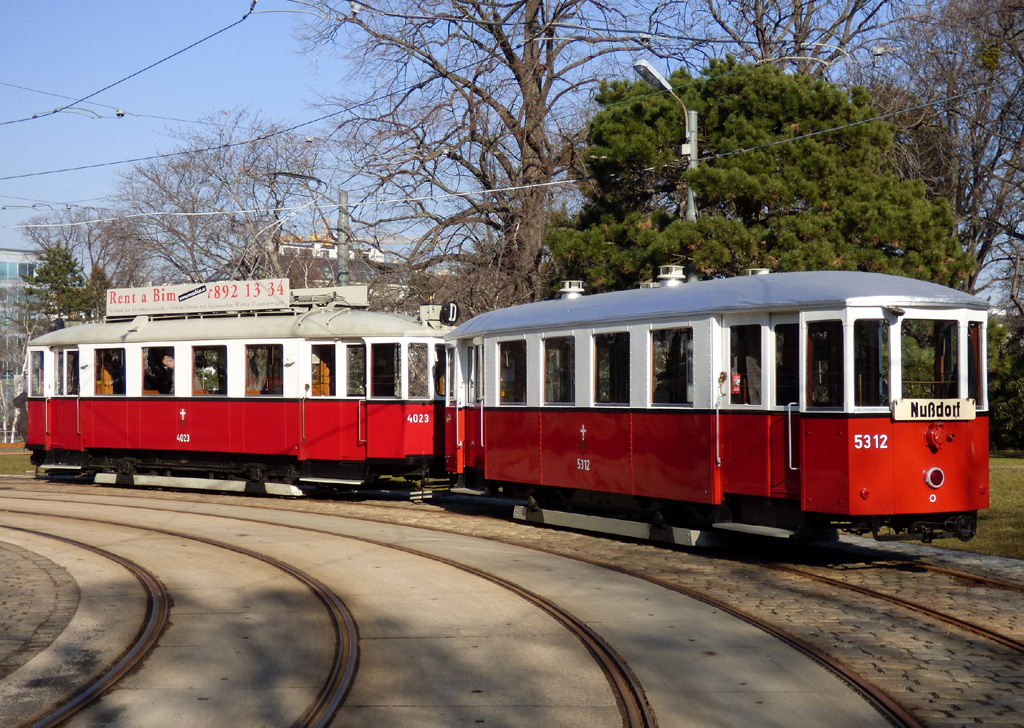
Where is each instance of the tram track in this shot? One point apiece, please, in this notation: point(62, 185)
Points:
point(961, 624)
point(154, 622)
point(329, 698)
point(626, 688)
point(884, 702)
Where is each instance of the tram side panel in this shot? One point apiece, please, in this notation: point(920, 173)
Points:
point(873, 466)
point(36, 437)
point(675, 457)
point(513, 445)
point(587, 448)
point(958, 449)
point(335, 430)
point(746, 458)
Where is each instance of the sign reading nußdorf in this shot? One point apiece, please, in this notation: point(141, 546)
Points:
point(185, 298)
point(910, 410)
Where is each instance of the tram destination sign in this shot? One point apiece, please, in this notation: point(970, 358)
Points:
point(271, 293)
point(911, 410)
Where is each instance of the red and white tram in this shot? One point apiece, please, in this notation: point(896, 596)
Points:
point(786, 403)
point(308, 389)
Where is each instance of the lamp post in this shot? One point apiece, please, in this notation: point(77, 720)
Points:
point(652, 78)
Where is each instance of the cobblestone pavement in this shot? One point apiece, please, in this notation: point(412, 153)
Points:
point(945, 678)
point(37, 600)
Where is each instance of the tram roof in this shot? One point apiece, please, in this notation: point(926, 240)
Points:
point(803, 291)
point(321, 323)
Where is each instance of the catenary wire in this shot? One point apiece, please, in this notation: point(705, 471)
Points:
point(132, 75)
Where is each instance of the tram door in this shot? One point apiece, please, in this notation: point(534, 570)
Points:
point(785, 424)
point(473, 438)
point(63, 416)
point(453, 426)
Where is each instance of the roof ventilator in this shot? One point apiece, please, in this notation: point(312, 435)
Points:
point(671, 276)
point(571, 290)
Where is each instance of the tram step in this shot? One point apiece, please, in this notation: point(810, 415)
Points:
point(617, 527)
point(233, 486)
point(756, 530)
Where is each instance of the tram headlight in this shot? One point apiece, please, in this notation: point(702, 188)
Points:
point(934, 477)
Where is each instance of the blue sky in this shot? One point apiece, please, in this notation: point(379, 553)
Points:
point(76, 48)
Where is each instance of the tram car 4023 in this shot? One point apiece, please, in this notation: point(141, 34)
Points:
point(789, 404)
point(246, 386)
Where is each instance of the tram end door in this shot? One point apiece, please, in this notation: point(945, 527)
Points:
point(786, 420)
point(454, 420)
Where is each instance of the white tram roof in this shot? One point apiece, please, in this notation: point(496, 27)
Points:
point(321, 323)
point(804, 291)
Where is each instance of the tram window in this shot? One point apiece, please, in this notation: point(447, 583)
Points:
point(560, 370)
point(418, 371)
point(611, 368)
point(59, 379)
point(451, 376)
point(110, 371)
point(672, 366)
point(745, 366)
point(871, 363)
point(210, 370)
point(825, 364)
point(929, 359)
point(264, 372)
point(386, 370)
point(323, 384)
point(356, 386)
point(158, 370)
point(787, 364)
point(512, 358)
point(440, 369)
point(476, 373)
point(72, 373)
point(974, 349)
point(36, 374)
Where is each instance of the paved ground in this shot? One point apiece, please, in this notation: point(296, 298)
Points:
point(39, 598)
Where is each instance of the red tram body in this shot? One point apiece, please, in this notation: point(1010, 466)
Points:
point(791, 403)
point(313, 391)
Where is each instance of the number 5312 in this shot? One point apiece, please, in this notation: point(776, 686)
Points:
point(871, 442)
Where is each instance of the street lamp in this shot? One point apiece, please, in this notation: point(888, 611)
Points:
point(652, 78)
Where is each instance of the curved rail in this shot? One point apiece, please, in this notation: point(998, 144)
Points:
point(627, 689)
point(343, 668)
point(907, 604)
point(157, 612)
point(629, 693)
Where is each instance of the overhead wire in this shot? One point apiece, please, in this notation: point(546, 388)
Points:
point(552, 183)
point(133, 75)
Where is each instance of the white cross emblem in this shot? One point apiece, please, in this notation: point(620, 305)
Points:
point(182, 413)
point(583, 432)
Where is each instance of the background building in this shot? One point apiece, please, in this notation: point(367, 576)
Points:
point(14, 335)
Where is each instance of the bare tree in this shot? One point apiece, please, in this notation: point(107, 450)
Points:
point(960, 65)
point(805, 36)
point(96, 238)
point(460, 117)
point(218, 208)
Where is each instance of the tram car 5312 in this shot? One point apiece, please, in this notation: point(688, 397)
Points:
point(243, 386)
point(787, 404)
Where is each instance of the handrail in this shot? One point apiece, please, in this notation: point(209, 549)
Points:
point(789, 426)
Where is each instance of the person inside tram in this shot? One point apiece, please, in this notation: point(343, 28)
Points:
point(159, 374)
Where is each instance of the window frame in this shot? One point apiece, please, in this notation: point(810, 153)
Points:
point(569, 368)
point(596, 363)
point(689, 360)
